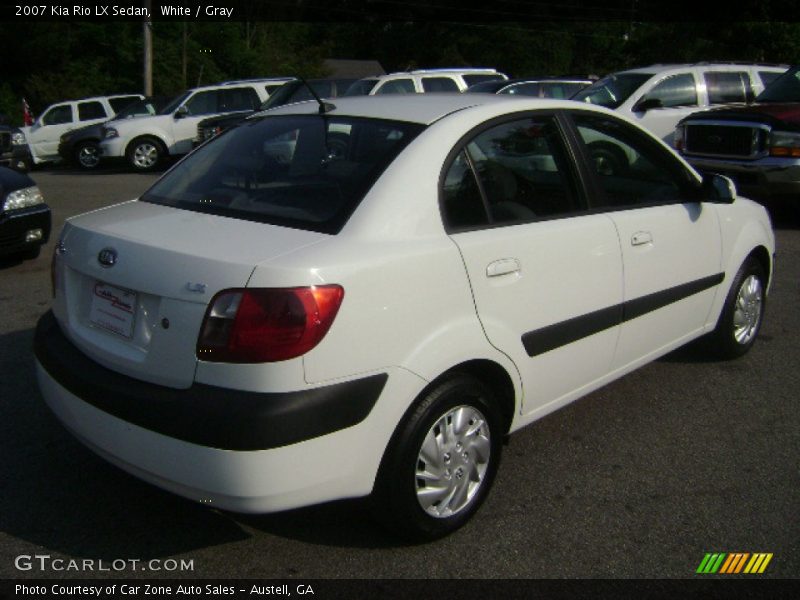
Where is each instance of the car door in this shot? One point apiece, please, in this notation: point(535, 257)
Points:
point(678, 97)
point(671, 244)
point(546, 276)
point(47, 131)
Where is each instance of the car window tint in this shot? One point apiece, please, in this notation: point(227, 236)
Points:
point(523, 174)
point(303, 171)
point(481, 77)
point(117, 104)
point(523, 89)
point(202, 103)
point(91, 110)
point(677, 90)
point(727, 86)
point(58, 115)
point(233, 99)
point(439, 84)
point(462, 203)
point(768, 77)
point(630, 169)
point(397, 86)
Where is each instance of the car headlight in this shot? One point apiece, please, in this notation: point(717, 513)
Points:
point(111, 133)
point(783, 143)
point(18, 138)
point(24, 198)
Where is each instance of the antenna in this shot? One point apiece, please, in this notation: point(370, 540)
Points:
point(324, 107)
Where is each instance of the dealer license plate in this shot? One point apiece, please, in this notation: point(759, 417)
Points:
point(113, 308)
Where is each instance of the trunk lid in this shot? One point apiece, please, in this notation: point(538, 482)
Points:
point(140, 313)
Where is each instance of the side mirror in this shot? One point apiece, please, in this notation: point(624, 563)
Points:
point(181, 112)
point(719, 188)
point(646, 104)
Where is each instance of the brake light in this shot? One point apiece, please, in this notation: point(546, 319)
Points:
point(267, 324)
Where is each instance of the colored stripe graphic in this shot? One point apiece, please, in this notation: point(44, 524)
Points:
point(732, 563)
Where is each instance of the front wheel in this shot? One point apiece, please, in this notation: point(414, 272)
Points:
point(87, 155)
point(742, 313)
point(441, 461)
point(145, 154)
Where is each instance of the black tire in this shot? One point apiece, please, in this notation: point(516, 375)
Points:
point(468, 469)
point(87, 155)
point(145, 153)
point(742, 313)
point(608, 160)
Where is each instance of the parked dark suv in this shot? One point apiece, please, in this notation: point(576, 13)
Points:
point(293, 91)
point(14, 150)
point(757, 145)
point(81, 146)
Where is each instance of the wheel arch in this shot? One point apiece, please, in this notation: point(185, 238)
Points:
point(145, 136)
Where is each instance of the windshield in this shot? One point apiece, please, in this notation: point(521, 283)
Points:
point(148, 106)
point(361, 88)
point(487, 87)
point(785, 88)
point(613, 90)
point(174, 104)
point(303, 171)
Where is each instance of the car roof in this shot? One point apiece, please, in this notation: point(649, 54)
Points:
point(417, 108)
point(659, 68)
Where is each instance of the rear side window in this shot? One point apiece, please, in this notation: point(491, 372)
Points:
point(233, 99)
point(308, 172)
point(480, 78)
point(88, 111)
point(511, 173)
point(202, 103)
point(768, 77)
point(397, 86)
point(677, 90)
point(439, 84)
point(725, 87)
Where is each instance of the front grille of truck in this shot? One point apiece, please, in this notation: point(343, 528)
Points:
point(732, 140)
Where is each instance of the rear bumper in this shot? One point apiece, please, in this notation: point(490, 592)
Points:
point(765, 178)
point(265, 471)
point(15, 225)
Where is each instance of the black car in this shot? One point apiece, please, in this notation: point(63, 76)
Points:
point(292, 91)
point(539, 87)
point(24, 217)
point(81, 146)
point(14, 150)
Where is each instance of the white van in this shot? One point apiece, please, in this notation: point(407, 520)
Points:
point(659, 96)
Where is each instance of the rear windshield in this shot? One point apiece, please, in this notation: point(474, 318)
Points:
point(303, 171)
point(362, 87)
point(613, 90)
point(481, 77)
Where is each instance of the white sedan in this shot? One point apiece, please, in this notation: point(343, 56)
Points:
point(363, 299)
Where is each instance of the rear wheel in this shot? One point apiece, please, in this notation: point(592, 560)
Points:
point(742, 313)
point(441, 461)
point(145, 154)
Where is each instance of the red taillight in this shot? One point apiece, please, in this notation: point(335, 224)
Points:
point(267, 324)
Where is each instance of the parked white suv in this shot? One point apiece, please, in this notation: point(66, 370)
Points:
point(57, 119)
point(659, 96)
point(143, 142)
point(423, 80)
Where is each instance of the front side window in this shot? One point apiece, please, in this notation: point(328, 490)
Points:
point(203, 103)
point(397, 86)
point(58, 115)
point(677, 90)
point(727, 86)
point(88, 111)
point(513, 172)
point(630, 169)
point(439, 84)
point(308, 172)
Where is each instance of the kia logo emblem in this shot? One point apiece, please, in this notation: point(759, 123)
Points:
point(107, 257)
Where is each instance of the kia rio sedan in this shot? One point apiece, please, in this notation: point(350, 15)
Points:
point(363, 299)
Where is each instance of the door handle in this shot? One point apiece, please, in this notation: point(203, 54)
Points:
point(503, 266)
point(640, 238)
